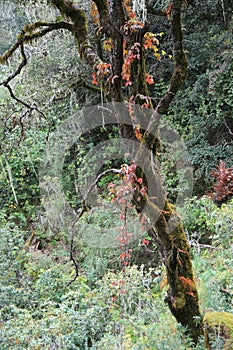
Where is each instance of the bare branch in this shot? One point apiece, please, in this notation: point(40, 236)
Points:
point(25, 36)
point(25, 104)
point(227, 126)
point(18, 70)
point(28, 33)
point(115, 171)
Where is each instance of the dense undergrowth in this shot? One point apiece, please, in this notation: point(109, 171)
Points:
point(106, 307)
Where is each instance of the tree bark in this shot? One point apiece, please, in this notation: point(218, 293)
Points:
point(182, 295)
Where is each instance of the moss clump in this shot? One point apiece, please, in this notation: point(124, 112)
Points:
point(179, 301)
point(218, 324)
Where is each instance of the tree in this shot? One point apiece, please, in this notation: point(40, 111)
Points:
point(118, 63)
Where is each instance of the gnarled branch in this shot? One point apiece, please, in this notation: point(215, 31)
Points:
point(27, 34)
point(30, 32)
point(12, 76)
point(79, 29)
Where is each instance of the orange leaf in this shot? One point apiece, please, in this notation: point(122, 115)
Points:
point(94, 14)
point(149, 79)
point(94, 80)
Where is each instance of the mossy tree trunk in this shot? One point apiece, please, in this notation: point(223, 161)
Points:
point(182, 296)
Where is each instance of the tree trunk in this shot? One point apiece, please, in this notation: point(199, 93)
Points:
point(182, 296)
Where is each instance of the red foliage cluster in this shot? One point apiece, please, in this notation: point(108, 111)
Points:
point(123, 194)
point(223, 190)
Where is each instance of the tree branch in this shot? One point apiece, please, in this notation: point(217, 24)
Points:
point(80, 30)
point(25, 104)
point(82, 211)
point(179, 59)
point(29, 33)
point(103, 10)
point(20, 67)
point(114, 171)
point(6, 82)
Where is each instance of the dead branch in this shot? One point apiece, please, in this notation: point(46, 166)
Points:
point(6, 82)
point(116, 171)
point(20, 67)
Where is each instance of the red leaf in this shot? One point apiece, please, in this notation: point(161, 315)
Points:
point(145, 242)
point(149, 79)
point(94, 81)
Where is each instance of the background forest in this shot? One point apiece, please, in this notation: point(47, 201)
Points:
point(107, 306)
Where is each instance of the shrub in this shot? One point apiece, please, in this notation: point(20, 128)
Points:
point(223, 189)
